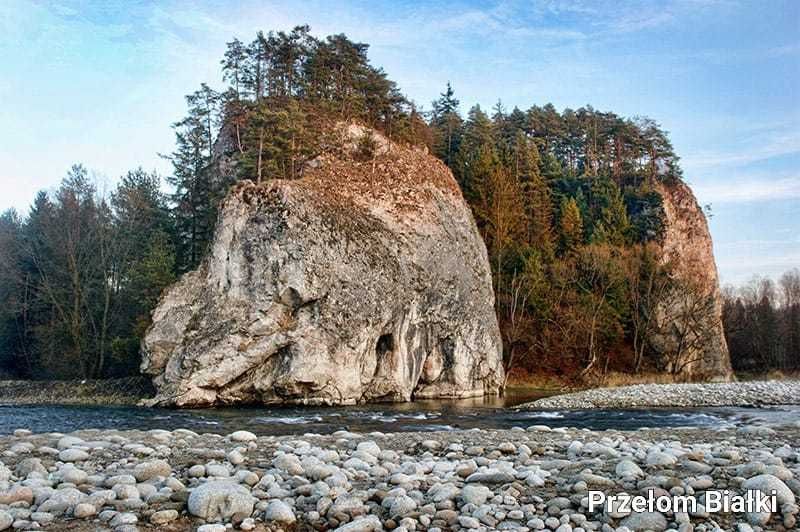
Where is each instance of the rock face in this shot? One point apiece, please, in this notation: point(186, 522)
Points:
point(690, 322)
point(366, 280)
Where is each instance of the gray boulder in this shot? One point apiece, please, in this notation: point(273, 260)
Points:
point(363, 280)
point(5, 520)
point(62, 500)
point(73, 455)
point(369, 523)
point(645, 521)
point(221, 500)
point(475, 494)
point(163, 517)
point(280, 512)
point(768, 484)
point(154, 468)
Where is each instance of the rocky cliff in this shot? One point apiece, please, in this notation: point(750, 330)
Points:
point(689, 323)
point(366, 280)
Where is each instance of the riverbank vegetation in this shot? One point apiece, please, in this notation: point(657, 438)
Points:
point(80, 274)
point(567, 203)
point(569, 207)
point(104, 392)
point(762, 324)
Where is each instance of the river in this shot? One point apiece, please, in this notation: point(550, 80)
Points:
point(485, 413)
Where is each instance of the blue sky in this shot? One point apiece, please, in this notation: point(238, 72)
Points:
point(100, 83)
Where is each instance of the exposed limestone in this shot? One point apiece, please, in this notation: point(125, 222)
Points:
point(687, 245)
point(362, 281)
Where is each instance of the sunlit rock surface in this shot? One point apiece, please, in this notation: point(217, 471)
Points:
point(691, 321)
point(366, 280)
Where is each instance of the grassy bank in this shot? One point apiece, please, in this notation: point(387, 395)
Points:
point(561, 383)
point(127, 391)
point(614, 379)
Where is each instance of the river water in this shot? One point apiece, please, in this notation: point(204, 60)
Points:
point(487, 413)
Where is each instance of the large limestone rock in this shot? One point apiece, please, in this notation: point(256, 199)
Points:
point(690, 320)
point(365, 280)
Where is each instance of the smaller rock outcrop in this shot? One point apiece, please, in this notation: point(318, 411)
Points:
point(364, 280)
point(689, 331)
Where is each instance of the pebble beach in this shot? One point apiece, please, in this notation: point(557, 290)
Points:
point(684, 395)
point(530, 477)
point(533, 478)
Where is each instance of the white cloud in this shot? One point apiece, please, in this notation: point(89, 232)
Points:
point(747, 190)
point(750, 244)
point(638, 21)
point(758, 258)
point(755, 144)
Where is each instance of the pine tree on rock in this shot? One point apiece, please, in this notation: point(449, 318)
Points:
point(447, 125)
point(266, 139)
point(196, 191)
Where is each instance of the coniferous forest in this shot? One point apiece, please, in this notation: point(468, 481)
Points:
point(566, 202)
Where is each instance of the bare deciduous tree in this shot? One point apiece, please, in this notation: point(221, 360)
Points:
point(690, 318)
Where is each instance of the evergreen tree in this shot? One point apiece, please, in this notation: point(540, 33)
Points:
point(478, 155)
point(234, 68)
point(537, 202)
point(447, 124)
point(149, 276)
point(287, 60)
point(13, 304)
point(196, 192)
point(266, 139)
point(767, 326)
point(501, 218)
point(609, 214)
point(549, 167)
point(478, 130)
point(570, 226)
point(68, 254)
point(513, 124)
point(336, 69)
point(144, 263)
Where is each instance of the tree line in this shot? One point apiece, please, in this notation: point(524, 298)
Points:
point(762, 324)
point(284, 90)
point(82, 271)
point(566, 202)
point(80, 274)
point(568, 206)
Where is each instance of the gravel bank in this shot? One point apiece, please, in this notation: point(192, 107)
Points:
point(126, 391)
point(523, 479)
point(754, 393)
